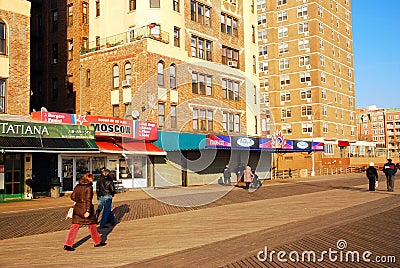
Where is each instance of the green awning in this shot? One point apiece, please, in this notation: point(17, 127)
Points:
point(178, 141)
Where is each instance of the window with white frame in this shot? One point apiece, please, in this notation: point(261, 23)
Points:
point(328, 148)
point(324, 110)
point(282, 2)
point(352, 131)
point(351, 101)
point(305, 77)
point(349, 73)
point(325, 127)
point(351, 116)
point(115, 76)
point(230, 89)
point(304, 60)
point(349, 57)
point(285, 79)
point(320, 12)
point(321, 27)
point(286, 129)
point(348, 43)
point(323, 77)
point(283, 31)
point(322, 60)
point(282, 15)
point(261, 4)
point(263, 50)
point(303, 27)
point(263, 65)
point(321, 44)
point(2, 95)
point(303, 43)
point(366, 132)
point(302, 11)
point(347, 29)
point(285, 96)
point(231, 122)
point(307, 128)
point(264, 82)
point(306, 110)
point(305, 94)
point(202, 119)
point(286, 112)
point(323, 94)
point(261, 19)
point(283, 64)
point(262, 35)
point(283, 47)
point(349, 86)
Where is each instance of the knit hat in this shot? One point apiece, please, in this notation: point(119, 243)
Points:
point(371, 164)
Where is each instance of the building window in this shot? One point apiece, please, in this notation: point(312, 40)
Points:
point(283, 64)
point(2, 38)
point(283, 48)
point(154, 3)
point(128, 71)
point(2, 95)
point(200, 13)
point(175, 4)
point(70, 49)
point(201, 48)
point(173, 116)
point(285, 79)
point(132, 5)
point(54, 20)
point(172, 76)
point(87, 77)
point(302, 11)
point(230, 56)
point(323, 94)
point(98, 8)
point(202, 119)
point(325, 127)
point(115, 110)
point(54, 53)
point(176, 37)
point(160, 73)
point(323, 77)
point(201, 84)
point(161, 114)
point(282, 16)
point(282, 2)
point(262, 35)
point(231, 122)
point(305, 94)
point(70, 18)
point(307, 128)
point(328, 148)
point(303, 27)
point(229, 25)
point(286, 112)
point(115, 76)
point(85, 13)
point(306, 110)
point(230, 89)
point(54, 89)
point(285, 96)
point(305, 77)
point(283, 31)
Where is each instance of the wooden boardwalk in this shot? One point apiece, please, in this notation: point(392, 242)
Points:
point(309, 215)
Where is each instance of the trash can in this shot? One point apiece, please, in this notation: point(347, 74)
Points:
point(55, 184)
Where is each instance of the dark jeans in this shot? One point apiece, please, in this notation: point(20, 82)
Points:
point(390, 182)
point(106, 202)
point(371, 184)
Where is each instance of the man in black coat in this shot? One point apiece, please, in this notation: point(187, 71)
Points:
point(390, 170)
point(372, 175)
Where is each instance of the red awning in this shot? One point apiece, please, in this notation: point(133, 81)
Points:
point(140, 147)
point(108, 147)
point(343, 143)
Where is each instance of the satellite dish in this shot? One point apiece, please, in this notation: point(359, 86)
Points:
point(135, 114)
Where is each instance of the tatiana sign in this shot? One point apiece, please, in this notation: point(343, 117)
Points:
point(38, 130)
point(104, 126)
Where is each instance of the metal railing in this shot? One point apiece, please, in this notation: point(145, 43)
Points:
point(127, 37)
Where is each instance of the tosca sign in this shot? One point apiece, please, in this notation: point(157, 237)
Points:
point(104, 126)
point(36, 130)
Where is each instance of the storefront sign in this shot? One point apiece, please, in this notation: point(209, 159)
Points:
point(28, 129)
point(104, 126)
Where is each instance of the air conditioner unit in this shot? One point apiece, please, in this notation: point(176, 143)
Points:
point(126, 83)
point(308, 99)
point(308, 66)
point(232, 63)
point(305, 17)
point(265, 56)
point(267, 88)
point(309, 117)
point(266, 72)
point(263, 9)
point(282, 103)
point(307, 49)
point(304, 1)
point(305, 33)
point(308, 83)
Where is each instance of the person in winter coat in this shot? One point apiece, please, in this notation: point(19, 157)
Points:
point(248, 176)
point(105, 191)
point(83, 213)
point(372, 175)
point(390, 170)
point(227, 175)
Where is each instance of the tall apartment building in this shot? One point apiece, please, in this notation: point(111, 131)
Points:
point(14, 57)
point(306, 72)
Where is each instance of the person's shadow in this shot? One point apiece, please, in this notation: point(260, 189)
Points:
point(119, 213)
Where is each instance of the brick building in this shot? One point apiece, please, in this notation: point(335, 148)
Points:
point(14, 57)
point(307, 75)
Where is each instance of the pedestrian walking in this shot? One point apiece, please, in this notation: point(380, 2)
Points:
point(83, 213)
point(239, 172)
point(390, 170)
point(372, 175)
point(248, 176)
point(105, 190)
point(227, 175)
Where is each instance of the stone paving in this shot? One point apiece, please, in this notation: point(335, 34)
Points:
point(215, 226)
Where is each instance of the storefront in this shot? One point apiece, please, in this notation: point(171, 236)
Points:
point(124, 147)
point(29, 151)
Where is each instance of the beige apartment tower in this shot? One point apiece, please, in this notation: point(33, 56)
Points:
point(307, 74)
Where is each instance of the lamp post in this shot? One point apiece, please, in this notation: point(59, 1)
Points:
point(312, 140)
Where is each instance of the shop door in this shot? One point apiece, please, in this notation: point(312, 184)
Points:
point(13, 176)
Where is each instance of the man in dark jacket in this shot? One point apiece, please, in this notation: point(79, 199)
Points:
point(390, 170)
point(227, 175)
point(372, 175)
point(105, 190)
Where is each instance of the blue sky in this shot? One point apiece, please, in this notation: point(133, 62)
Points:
point(376, 47)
